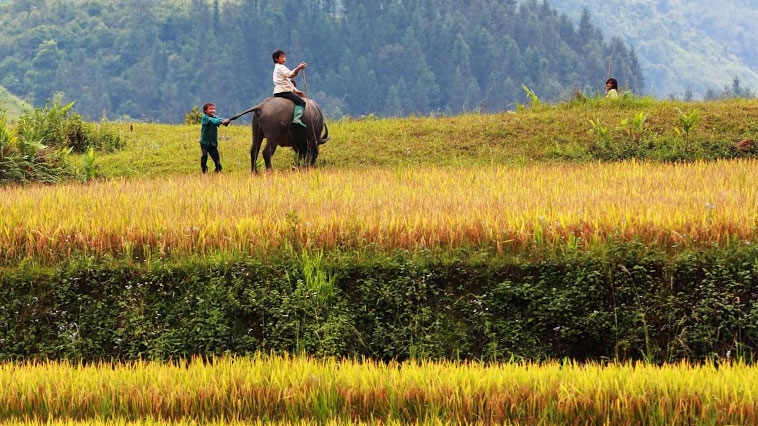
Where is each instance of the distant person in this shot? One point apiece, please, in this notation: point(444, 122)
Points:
point(284, 87)
point(209, 136)
point(611, 88)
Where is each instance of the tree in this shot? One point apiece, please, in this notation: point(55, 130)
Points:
point(44, 71)
point(393, 103)
point(153, 61)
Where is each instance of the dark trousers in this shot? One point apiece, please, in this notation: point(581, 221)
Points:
point(213, 152)
point(291, 96)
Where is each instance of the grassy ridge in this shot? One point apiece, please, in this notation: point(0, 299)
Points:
point(544, 134)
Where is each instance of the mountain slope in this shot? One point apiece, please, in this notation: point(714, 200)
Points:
point(681, 44)
point(12, 106)
point(147, 60)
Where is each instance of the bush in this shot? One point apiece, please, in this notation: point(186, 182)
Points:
point(101, 138)
point(56, 126)
point(37, 148)
point(629, 304)
point(194, 116)
point(23, 161)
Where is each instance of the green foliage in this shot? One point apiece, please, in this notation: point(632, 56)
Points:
point(37, 148)
point(664, 28)
point(8, 137)
point(637, 127)
point(100, 137)
point(601, 130)
point(630, 303)
point(322, 319)
point(686, 123)
point(141, 61)
point(632, 145)
point(57, 126)
point(90, 168)
point(24, 160)
point(48, 126)
point(654, 132)
point(195, 116)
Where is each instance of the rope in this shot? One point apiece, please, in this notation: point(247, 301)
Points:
point(305, 84)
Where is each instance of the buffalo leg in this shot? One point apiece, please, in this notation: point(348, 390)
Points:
point(312, 151)
point(254, 150)
point(268, 152)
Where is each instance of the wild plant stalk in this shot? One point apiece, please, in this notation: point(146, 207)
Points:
point(89, 165)
point(532, 97)
point(601, 130)
point(637, 127)
point(687, 122)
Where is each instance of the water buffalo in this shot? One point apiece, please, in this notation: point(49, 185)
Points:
point(272, 121)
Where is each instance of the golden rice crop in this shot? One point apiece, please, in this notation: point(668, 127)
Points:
point(190, 422)
point(299, 389)
point(508, 209)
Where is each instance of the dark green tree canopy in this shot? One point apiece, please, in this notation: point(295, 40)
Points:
point(156, 60)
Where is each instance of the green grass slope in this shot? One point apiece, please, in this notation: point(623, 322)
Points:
point(12, 105)
point(635, 128)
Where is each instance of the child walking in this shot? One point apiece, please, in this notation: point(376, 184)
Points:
point(209, 136)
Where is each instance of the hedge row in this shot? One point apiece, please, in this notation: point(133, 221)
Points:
point(629, 303)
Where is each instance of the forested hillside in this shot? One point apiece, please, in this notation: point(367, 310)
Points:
point(683, 46)
point(148, 60)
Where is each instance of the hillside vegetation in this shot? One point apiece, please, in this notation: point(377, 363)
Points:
point(153, 61)
point(578, 131)
point(684, 48)
point(12, 106)
point(592, 230)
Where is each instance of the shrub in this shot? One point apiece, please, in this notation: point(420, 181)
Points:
point(37, 148)
point(193, 117)
point(56, 126)
point(632, 303)
point(23, 160)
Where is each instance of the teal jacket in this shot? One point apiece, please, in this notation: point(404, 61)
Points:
point(209, 130)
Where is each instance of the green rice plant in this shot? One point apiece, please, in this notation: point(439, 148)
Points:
point(318, 282)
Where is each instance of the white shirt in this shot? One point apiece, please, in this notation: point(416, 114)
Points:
point(282, 79)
